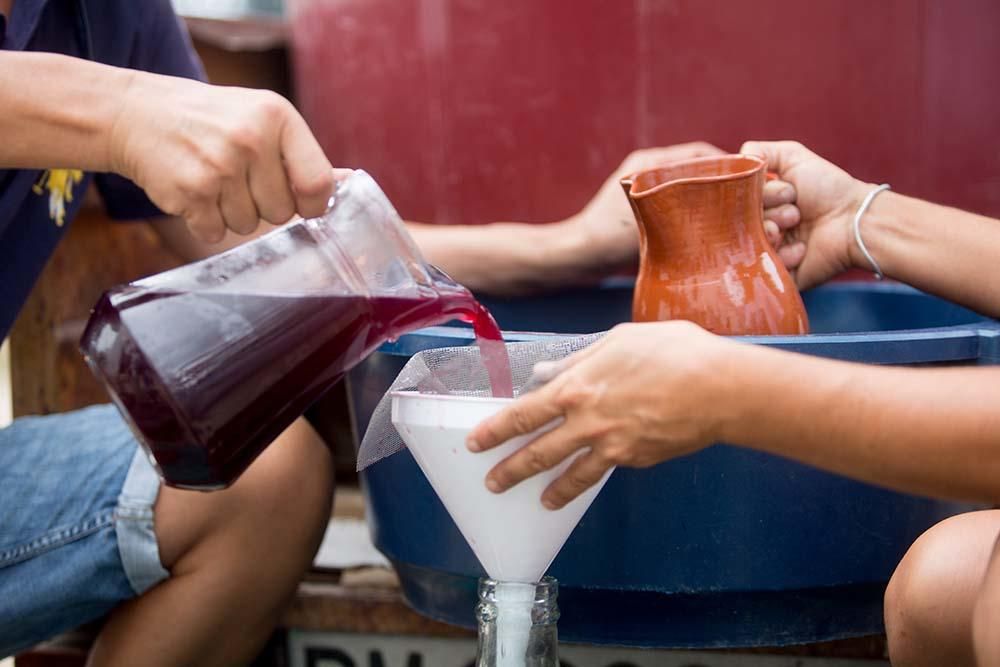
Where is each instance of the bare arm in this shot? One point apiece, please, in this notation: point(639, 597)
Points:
point(58, 111)
point(507, 258)
point(650, 392)
point(513, 258)
point(941, 250)
point(951, 253)
point(221, 158)
point(930, 431)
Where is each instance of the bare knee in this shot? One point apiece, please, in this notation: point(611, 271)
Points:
point(986, 616)
point(267, 525)
point(985, 633)
point(930, 599)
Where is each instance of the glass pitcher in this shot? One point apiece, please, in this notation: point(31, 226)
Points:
point(209, 362)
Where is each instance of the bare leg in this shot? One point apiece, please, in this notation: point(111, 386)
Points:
point(235, 557)
point(986, 618)
point(930, 600)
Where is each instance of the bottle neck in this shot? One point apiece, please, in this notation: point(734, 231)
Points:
point(517, 624)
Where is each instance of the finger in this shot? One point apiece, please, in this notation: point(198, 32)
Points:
point(239, 213)
point(649, 158)
point(703, 149)
point(206, 223)
point(546, 371)
point(310, 173)
point(685, 151)
point(785, 216)
point(526, 414)
point(772, 233)
point(792, 255)
point(543, 453)
point(587, 470)
point(779, 155)
point(270, 189)
point(341, 174)
point(777, 193)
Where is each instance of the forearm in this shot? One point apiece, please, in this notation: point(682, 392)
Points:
point(938, 249)
point(506, 258)
point(58, 111)
point(931, 431)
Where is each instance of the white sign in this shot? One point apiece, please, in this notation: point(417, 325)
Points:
point(328, 649)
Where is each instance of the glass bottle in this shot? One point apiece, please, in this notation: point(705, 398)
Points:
point(517, 624)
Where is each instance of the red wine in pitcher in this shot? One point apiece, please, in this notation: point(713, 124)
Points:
point(208, 379)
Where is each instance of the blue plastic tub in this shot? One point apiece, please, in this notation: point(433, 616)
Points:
point(725, 548)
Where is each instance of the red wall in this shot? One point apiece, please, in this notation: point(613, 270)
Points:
point(478, 110)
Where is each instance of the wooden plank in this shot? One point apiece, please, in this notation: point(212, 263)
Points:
point(48, 373)
point(334, 607)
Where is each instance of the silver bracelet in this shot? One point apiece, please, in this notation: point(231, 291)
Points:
point(857, 228)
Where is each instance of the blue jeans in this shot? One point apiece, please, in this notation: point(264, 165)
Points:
point(76, 523)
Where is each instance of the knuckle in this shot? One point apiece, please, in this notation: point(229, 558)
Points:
point(572, 397)
point(520, 419)
point(247, 138)
point(600, 430)
point(171, 204)
point(577, 481)
point(271, 106)
point(617, 455)
point(316, 184)
point(603, 456)
point(536, 459)
point(201, 182)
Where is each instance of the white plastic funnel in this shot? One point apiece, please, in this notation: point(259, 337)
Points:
point(512, 534)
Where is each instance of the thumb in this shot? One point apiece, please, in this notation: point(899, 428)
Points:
point(779, 155)
point(546, 371)
point(310, 174)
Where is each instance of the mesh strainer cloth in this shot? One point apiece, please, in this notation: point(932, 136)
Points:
point(456, 370)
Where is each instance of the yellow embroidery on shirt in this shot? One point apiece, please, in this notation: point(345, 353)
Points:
point(59, 183)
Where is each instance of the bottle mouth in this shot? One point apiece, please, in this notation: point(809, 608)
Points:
point(541, 592)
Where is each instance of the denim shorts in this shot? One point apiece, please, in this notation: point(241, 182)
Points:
point(76, 523)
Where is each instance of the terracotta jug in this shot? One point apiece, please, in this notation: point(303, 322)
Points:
point(703, 253)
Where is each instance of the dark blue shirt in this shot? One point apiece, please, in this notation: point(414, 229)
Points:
point(36, 206)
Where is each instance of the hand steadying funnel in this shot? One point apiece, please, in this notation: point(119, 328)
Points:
point(514, 537)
